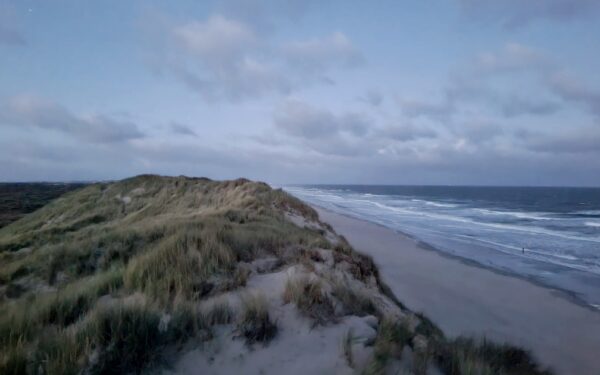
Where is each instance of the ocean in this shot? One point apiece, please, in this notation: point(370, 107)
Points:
point(550, 235)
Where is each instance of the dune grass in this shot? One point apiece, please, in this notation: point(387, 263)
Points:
point(459, 356)
point(392, 337)
point(355, 302)
point(175, 241)
point(310, 299)
point(470, 356)
point(105, 278)
point(256, 324)
point(347, 341)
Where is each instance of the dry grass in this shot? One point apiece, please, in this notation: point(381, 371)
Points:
point(219, 313)
point(391, 338)
point(355, 302)
point(256, 324)
point(311, 300)
point(468, 356)
point(347, 341)
point(175, 240)
point(179, 265)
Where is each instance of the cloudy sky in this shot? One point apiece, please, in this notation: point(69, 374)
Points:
point(396, 92)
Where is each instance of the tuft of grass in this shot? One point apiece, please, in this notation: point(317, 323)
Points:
point(391, 338)
point(347, 341)
point(466, 356)
point(13, 359)
point(127, 337)
point(219, 313)
point(310, 299)
point(180, 264)
point(355, 302)
point(61, 351)
point(256, 324)
point(24, 319)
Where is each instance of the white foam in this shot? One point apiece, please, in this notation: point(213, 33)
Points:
point(517, 214)
point(435, 204)
point(592, 224)
point(588, 212)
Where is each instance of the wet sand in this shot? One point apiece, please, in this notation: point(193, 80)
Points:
point(465, 299)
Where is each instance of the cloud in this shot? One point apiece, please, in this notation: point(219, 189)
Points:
point(224, 58)
point(514, 105)
point(347, 134)
point(420, 108)
point(265, 15)
point(299, 119)
point(319, 54)
point(11, 37)
point(484, 84)
point(571, 89)
point(221, 57)
point(10, 33)
point(34, 112)
point(406, 132)
point(372, 97)
point(511, 58)
point(216, 40)
point(177, 128)
point(518, 13)
point(576, 141)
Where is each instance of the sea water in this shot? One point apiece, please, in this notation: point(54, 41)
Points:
point(548, 234)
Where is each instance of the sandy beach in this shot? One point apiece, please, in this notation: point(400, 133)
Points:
point(465, 299)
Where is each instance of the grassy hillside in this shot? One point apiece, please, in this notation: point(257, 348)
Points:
point(19, 199)
point(114, 277)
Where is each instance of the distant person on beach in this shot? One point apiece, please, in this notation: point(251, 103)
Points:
point(523, 250)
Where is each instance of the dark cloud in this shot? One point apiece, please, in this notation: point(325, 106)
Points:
point(177, 128)
point(421, 108)
point(373, 97)
point(406, 133)
point(349, 134)
point(478, 131)
point(576, 141)
point(480, 85)
point(302, 120)
point(518, 13)
point(513, 106)
point(33, 112)
point(11, 37)
point(570, 89)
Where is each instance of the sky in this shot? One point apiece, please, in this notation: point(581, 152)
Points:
point(450, 92)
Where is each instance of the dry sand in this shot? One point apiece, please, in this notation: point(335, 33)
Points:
point(471, 300)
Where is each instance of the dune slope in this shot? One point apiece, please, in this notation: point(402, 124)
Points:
point(189, 275)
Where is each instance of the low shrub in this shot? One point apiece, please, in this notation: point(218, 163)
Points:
point(310, 299)
point(256, 324)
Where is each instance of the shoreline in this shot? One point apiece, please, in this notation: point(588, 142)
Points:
point(566, 294)
point(463, 298)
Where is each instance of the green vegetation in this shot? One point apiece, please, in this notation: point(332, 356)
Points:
point(19, 199)
point(107, 277)
point(347, 341)
point(355, 302)
point(311, 300)
point(391, 338)
point(256, 324)
point(86, 280)
point(452, 356)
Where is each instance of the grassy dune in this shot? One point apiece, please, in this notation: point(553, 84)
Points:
point(111, 276)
